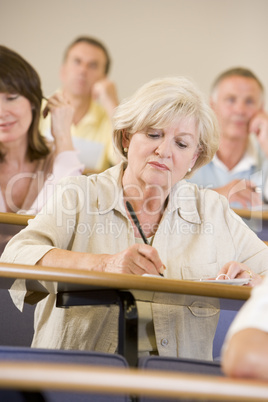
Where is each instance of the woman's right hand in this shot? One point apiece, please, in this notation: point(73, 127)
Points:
point(138, 259)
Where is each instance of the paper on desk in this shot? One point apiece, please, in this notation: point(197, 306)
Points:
point(235, 281)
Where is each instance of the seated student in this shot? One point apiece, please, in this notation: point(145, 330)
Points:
point(85, 83)
point(245, 351)
point(29, 167)
point(240, 164)
point(163, 132)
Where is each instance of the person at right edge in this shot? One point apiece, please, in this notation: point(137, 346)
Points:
point(245, 349)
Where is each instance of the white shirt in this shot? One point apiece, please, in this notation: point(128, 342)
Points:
point(254, 313)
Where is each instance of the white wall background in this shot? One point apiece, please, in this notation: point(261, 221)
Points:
point(146, 38)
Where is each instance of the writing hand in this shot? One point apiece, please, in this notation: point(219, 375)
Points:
point(138, 259)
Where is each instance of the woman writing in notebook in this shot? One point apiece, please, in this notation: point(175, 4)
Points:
point(164, 132)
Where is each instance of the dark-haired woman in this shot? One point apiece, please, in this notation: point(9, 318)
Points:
point(29, 166)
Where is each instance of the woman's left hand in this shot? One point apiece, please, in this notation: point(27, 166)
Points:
point(239, 270)
point(61, 119)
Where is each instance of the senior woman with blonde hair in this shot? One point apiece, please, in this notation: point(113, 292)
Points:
point(164, 132)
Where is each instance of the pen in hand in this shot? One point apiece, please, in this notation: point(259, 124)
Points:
point(137, 223)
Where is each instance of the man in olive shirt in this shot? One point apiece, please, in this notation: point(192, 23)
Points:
point(85, 84)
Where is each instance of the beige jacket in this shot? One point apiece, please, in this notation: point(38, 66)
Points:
point(197, 235)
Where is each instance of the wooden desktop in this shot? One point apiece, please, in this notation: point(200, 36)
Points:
point(76, 287)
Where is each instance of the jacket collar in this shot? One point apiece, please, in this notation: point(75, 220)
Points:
point(183, 196)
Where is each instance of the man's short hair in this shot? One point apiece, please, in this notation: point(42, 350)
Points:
point(91, 41)
point(236, 71)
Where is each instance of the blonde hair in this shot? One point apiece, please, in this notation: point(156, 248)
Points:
point(157, 104)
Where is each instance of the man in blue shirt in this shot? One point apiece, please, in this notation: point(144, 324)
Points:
point(239, 169)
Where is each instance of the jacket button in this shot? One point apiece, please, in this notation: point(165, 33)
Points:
point(164, 342)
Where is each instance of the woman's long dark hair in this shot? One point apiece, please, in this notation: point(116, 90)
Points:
point(17, 76)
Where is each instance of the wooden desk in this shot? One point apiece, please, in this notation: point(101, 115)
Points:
point(15, 219)
point(76, 287)
point(78, 378)
point(248, 213)
point(89, 172)
point(82, 279)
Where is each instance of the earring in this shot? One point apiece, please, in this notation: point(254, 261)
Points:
point(125, 150)
point(189, 170)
